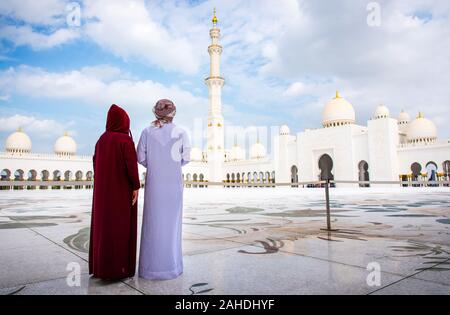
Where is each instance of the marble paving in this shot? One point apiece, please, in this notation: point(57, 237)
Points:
point(245, 241)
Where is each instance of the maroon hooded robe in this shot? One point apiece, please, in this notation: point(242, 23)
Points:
point(112, 250)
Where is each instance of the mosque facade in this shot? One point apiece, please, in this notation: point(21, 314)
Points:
point(387, 149)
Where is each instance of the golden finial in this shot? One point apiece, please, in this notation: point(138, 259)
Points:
point(338, 95)
point(19, 129)
point(420, 115)
point(214, 19)
point(66, 133)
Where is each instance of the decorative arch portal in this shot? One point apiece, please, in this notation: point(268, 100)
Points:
point(5, 174)
point(446, 168)
point(238, 178)
point(89, 175)
point(416, 168)
point(249, 177)
point(363, 168)
point(78, 175)
point(45, 175)
point(268, 177)
point(56, 175)
point(228, 178)
point(261, 177)
point(255, 177)
point(273, 177)
point(326, 167)
point(188, 179)
point(32, 175)
point(18, 175)
point(67, 175)
point(294, 174)
point(432, 169)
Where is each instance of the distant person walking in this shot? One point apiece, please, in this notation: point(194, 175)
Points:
point(163, 149)
point(112, 250)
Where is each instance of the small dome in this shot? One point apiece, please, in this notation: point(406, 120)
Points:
point(196, 155)
point(257, 151)
point(404, 118)
point(65, 145)
point(338, 112)
point(284, 130)
point(18, 142)
point(237, 153)
point(381, 112)
point(421, 130)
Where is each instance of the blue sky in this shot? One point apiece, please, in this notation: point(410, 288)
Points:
point(282, 61)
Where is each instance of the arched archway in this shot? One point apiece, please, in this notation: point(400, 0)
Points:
point(261, 177)
point(89, 175)
point(67, 175)
point(432, 170)
point(273, 177)
point(5, 174)
point(416, 170)
point(195, 179)
point(79, 175)
point(363, 168)
point(57, 175)
point(326, 167)
point(294, 175)
point(32, 175)
point(446, 169)
point(188, 179)
point(19, 175)
point(202, 179)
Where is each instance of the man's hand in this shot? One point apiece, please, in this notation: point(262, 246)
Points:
point(135, 196)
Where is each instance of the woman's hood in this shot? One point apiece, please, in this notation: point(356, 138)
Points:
point(118, 120)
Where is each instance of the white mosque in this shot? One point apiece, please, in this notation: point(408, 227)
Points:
point(387, 149)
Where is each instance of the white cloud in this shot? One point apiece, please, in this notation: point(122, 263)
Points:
point(99, 86)
point(34, 12)
point(127, 29)
point(39, 128)
point(26, 36)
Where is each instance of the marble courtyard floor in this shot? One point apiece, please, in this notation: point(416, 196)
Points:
point(245, 241)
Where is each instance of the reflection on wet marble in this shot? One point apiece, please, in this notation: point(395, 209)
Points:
point(245, 241)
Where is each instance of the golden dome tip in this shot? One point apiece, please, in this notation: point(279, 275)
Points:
point(338, 95)
point(214, 19)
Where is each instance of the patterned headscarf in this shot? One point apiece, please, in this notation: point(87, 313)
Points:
point(164, 111)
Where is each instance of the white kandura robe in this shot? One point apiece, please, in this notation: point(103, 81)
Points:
point(163, 151)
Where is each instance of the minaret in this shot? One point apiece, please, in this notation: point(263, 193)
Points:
point(215, 131)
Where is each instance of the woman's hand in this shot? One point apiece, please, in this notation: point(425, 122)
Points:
point(135, 196)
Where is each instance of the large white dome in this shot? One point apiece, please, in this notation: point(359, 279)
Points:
point(381, 112)
point(421, 130)
point(257, 151)
point(196, 154)
point(338, 112)
point(18, 142)
point(284, 130)
point(237, 153)
point(65, 145)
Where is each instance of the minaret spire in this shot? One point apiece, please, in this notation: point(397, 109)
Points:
point(215, 82)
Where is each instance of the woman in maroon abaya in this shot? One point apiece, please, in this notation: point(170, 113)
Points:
point(112, 250)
